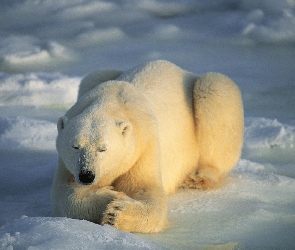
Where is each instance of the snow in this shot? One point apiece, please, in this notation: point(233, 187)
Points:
point(47, 46)
point(24, 53)
point(58, 233)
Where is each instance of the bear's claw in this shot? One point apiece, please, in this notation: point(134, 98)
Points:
point(111, 214)
point(195, 182)
point(111, 220)
point(120, 208)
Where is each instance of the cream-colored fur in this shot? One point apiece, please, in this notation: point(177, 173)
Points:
point(142, 134)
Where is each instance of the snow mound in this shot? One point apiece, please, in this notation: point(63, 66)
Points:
point(24, 53)
point(38, 89)
point(271, 29)
point(24, 133)
point(267, 133)
point(269, 141)
point(58, 233)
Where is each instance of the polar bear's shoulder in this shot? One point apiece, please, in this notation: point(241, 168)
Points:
point(96, 77)
point(154, 74)
point(153, 69)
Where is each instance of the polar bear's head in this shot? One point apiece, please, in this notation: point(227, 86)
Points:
point(95, 147)
point(101, 136)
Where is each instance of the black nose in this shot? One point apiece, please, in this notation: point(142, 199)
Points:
point(86, 177)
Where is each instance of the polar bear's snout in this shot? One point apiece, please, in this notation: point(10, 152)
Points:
point(86, 177)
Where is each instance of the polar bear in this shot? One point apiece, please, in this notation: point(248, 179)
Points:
point(134, 137)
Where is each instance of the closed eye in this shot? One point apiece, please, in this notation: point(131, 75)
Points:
point(75, 147)
point(102, 149)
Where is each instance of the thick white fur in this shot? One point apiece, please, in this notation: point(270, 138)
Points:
point(161, 128)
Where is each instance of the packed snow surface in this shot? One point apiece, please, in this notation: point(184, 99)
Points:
point(47, 46)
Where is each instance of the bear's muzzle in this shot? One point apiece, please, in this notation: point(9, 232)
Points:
point(86, 177)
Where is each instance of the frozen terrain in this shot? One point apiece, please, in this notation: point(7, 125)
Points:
point(47, 46)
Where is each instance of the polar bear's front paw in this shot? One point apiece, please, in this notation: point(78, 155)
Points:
point(114, 209)
point(120, 213)
point(112, 213)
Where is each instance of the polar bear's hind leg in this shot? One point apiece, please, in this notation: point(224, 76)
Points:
point(219, 120)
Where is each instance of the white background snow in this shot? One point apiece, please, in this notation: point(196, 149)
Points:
point(47, 46)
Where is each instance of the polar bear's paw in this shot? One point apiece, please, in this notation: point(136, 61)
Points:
point(195, 182)
point(202, 181)
point(112, 213)
point(120, 212)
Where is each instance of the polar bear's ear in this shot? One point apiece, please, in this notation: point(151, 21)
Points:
point(125, 127)
point(61, 122)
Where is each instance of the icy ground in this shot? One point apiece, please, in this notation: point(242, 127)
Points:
point(47, 46)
